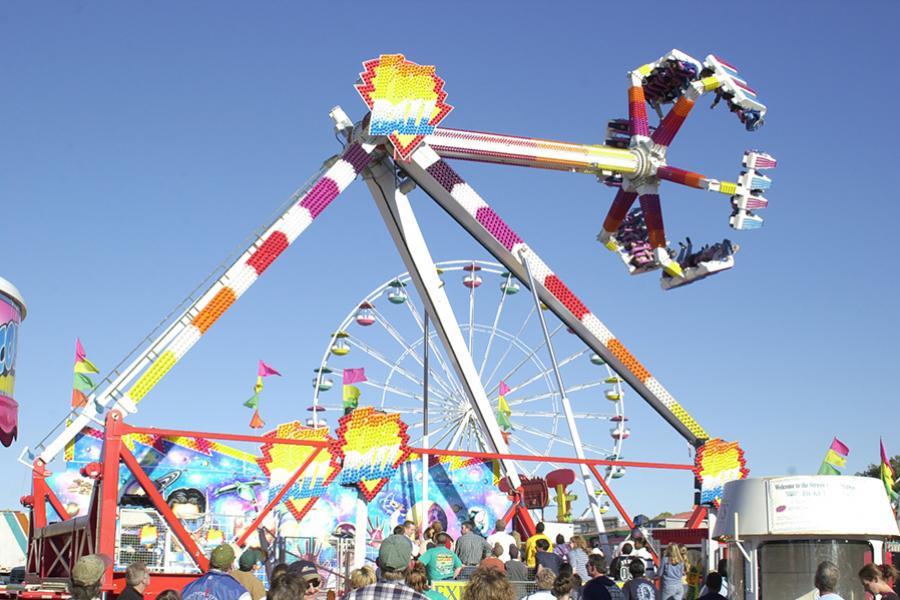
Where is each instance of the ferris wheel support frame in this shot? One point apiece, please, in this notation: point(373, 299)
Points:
point(567, 409)
point(400, 220)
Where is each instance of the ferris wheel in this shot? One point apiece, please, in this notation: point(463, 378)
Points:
point(383, 334)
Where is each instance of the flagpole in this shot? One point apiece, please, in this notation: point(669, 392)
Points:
point(424, 517)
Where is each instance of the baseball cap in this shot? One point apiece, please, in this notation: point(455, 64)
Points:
point(89, 569)
point(248, 559)
point(395, 553)
point(305, 569)
point(222, 557)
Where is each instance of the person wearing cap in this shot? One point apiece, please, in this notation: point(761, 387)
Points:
point(244, 573)
point(307, 571)
point(137, 578)
point(87, 576)
point(394, 557)
point(217, 584)
point(501, 537)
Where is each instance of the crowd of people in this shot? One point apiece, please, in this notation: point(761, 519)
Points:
point(499, 567)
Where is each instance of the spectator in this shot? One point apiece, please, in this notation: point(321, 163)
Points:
point(531, 545)
point(618, 568)
point(417, 579)
point(360, 578)
point(600, 587)
point(244, 573)
point(137, 578)
point(544, 583)
point(487, 584)
point(515, 568)
point(87, 576)
point(501, 537)
point(279, 570)
point(440, 562)
point(307, 571)
point(638, 587)
point(671, 573)
point(471, 547)
point(562, 587)
point(713, 587)
point(578, 556)
point(394, 559)
point(168, 595)
point(826, 580)
point(217, 584)
point(722, 570)
point(561, 549)
point(288, 586)
point(493, 561)
point(876, 579)
point(544, 559)
point(643, 552)
point(565, 571)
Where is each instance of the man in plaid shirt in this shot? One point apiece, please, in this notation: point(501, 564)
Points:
point(394, 558)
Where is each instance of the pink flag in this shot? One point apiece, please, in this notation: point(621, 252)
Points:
point(265, 370)
point(839, 447)
point(79, 350)
point(354, 376)
point(504, 389)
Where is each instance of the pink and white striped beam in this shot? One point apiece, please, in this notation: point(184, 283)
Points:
point(453, 194)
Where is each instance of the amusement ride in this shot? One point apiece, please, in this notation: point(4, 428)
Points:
point(455, 352)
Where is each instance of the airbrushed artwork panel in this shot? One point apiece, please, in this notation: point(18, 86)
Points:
point(217, 491)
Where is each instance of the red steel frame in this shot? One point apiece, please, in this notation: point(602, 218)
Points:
point(96, 533)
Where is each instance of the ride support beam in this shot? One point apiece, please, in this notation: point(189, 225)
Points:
point(109, 491)
point(401, 222)
point(242, 540)
point(454, 195)
point(162, 354)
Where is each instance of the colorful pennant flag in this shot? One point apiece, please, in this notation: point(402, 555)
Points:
point(352, 392)
point(835, 458)
point(82, 385)
point(264, 370)
point(887, 474)
point(503, 409)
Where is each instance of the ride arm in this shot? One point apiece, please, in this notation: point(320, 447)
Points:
point(532, 152)
point(454, 195)
point(163, 353)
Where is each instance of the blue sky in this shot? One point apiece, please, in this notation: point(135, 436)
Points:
point(142, 142)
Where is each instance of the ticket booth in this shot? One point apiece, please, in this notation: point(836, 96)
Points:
point(778, 530)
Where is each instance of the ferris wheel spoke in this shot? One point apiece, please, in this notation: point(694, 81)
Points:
point(562, 440)
point(528, 357)
point(509, 348)
point(554, 414)
point(553, 393)
point(459, 432)
point(490, 342)
point(392, 365)
point(408, 348)
point(441, 400)
point(449, 429)
point(546, 371)
point(438, 355)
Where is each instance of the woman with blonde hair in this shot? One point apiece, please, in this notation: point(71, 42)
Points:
point(360, 578)
point(488, 584)
point(578, 556)
point(877, 579)
point(671, 574)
